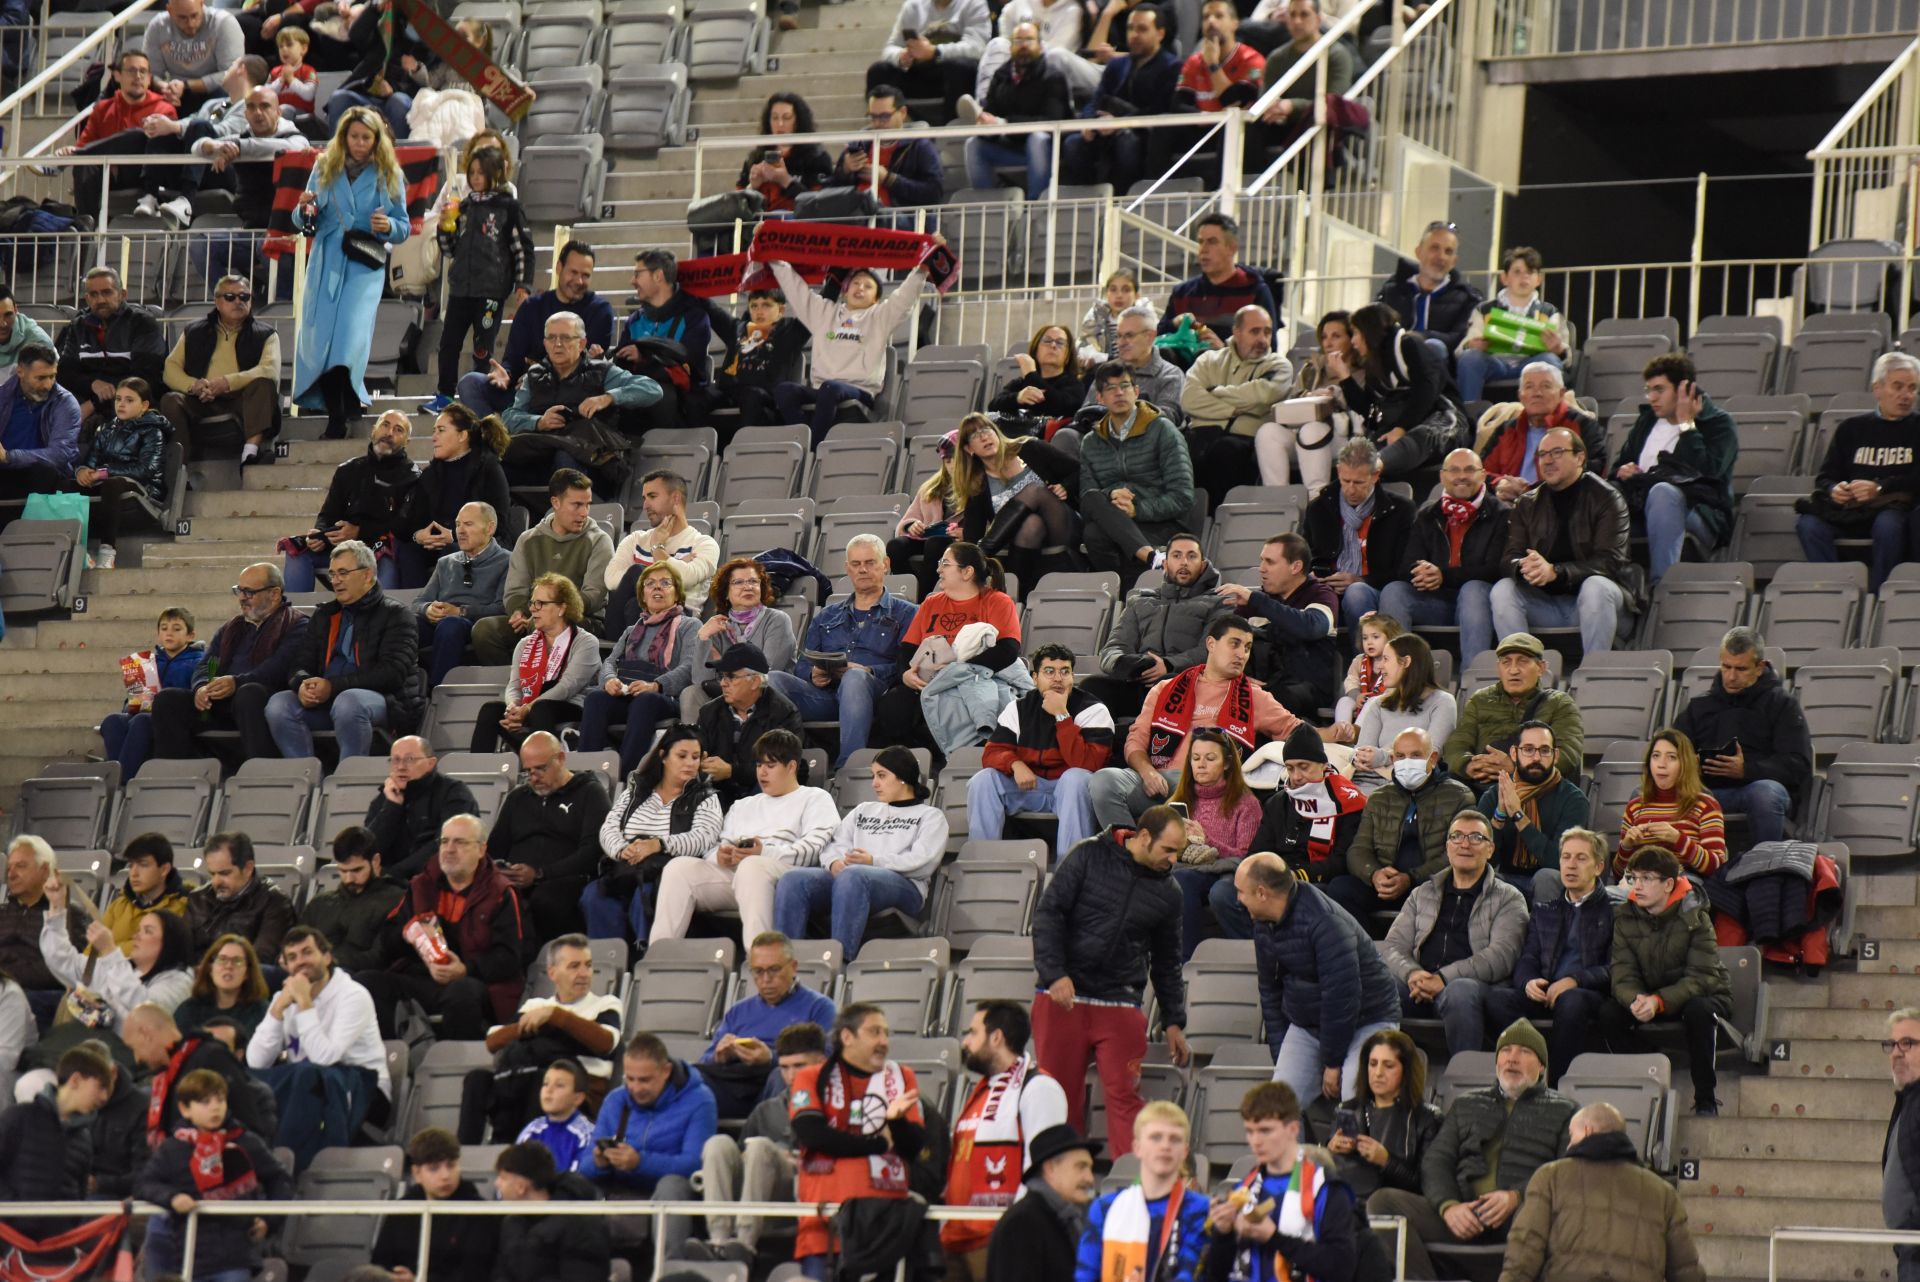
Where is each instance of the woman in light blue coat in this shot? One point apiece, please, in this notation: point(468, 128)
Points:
point(356, 186)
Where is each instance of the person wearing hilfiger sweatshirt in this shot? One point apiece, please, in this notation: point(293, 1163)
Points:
point(1869, 483)
point(883, 856)
point(850, 338)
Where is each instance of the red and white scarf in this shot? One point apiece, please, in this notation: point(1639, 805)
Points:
point(208, 1164)
point(866, 1115)
point(1459, 514)
point(542, 663)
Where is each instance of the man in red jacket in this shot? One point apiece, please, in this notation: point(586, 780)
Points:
point(115, 115)
point(1042, 755)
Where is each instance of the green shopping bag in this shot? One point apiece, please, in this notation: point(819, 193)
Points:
point(58, 507)
point(1511, 334)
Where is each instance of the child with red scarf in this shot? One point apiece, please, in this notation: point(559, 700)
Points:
point(208, 1161)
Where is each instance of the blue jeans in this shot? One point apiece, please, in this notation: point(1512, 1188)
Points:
point(1229, 914)
point(643, 713)
point(128, 737)
point(1473, 370)
point(992, 796)
point(1359, 599)
point(1889, 535)
point(1595, 609)
point(608, 917)
point(1572, 1013)
point(1196, 887)
point(303, 570)
point(1468, 607)
point(850, 702)
point(849, 899)
point(351, 716)
point(1299, 1062)
point(445, 645)
point(477, 394)
point(1461, 1009)
point(1765, 803)
point(394, 107)
point(791, 399)
point(1669, 521)
point(1035, 151)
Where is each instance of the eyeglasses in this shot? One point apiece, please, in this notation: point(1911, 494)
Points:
point(1470, 838)
point(246, 593)
point(538, 604)
point(768, 972)
point(1529, 750)
point(1905, 1045)
point(1052, 340)
point(1107, 388)
point(236, 298)
point(565, 338)
point(880, 117)
point(229, 961)
point(334, 576)
point(1559, 452)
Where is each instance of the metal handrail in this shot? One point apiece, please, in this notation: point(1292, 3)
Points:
point(13, 102)
point(1866, 100)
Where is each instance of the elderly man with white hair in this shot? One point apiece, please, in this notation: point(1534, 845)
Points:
point(1868, 484)
point(1231, 390)
point(465, 587)
point(1452, 557)
point(852, 649)
point(1509, 433)
point(30, 861)
point(561, 391)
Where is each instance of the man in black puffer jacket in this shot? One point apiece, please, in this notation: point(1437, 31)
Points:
point(563, 1248)
point(1431, 297)
point(41, 1139)
point(1323, 988)
point(1750, 708)
point(414, 800)
point(1110, 917)
point(366, 500)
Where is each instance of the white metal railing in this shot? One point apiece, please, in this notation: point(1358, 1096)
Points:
point(1563, 28)
point(1864, 169)
point(13, 105)
point(425, 1212)
point(1833, 1237)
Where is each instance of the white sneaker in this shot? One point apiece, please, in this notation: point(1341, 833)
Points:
point(178, 212)
point(147, 206)
point(967, 109)
point(104, 558)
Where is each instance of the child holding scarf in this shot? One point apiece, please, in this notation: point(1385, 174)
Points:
point(208, 1160)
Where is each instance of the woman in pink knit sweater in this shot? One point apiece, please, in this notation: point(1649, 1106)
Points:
point(1222, 813)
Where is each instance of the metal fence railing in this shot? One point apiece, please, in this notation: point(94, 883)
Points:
point(1560, 28)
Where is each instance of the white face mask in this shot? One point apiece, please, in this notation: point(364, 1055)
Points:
point(1411, 773)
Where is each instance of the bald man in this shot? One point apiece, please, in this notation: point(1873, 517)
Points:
point(1229, 392)
point(1452, 557)
point(546, 836)
point(1597, 1212)
point(159, 1047)
point(414, 800)
point(474, 973)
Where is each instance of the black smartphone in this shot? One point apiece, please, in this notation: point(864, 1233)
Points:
point(907, 34)
point(1346, 1122)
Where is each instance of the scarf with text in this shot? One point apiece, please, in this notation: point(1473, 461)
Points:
point(542, 663)
point(854, 1114)
point(208, 1165)
point(488, 79)
point(1173, 717)
point(816, 251)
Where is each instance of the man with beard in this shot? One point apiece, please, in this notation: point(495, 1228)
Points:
point(1013, 1101)
point(1160, 631)
point(357, 668)
point(1309, 823)
point(39, 427)
point(16, 331)
point(235, 901)
point(1452, 556)
point(366, 500)
point(1024, 88)
point(546, 836)
point(353, 915)
point(108, 341)
point(1531, 805)
point(245, 665)
point(1489, 1145)
point(1564, 971)
point(319, 1049)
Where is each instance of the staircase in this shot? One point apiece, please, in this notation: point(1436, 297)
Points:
point(1801, 1145)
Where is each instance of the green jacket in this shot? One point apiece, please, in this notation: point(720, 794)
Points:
point(1152, 461)
point(1378, 839)
point(1674, 955)
point(1707, 449)
point(1489, 716)
point(1524, 849)
point(1535, 1134)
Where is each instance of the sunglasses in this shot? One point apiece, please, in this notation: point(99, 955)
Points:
point(236, 298)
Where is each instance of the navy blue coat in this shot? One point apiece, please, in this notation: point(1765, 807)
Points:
point(1540, 954)
point(1319, 969)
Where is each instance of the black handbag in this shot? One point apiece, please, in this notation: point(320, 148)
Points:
point(365, 248)
point(836, 202)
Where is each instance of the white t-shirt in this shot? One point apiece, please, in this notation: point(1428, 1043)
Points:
point(595, 1008)
point(1660, 440)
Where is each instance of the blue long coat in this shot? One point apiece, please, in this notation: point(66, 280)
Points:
point(336, 317)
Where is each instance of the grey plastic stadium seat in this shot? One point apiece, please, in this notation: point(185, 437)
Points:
point(647, 107)
point(876, 514)
point(843, 470)
point(268, 799)
point(1896, 610)
point(173, 798)
point(438, 1080)
point(1223, 994)
point(984, 898)
point(1849, 275)
point(1860, 322)
point(1735, 354)
point(1811, 605)
point(1837, 411)
point(726, 39)
point(69, 812)
point(679, 988)
point(935, 1061)
point(996, 967)
point(568, 104)
point(1872, 799)
point(562, 34)
point(1770, 445)
point(1075, 236)
point(347, 792)
point(760, 470)
point(1639, 327)
point(1214, 1104)
point(345, 1175)
point(1829, 363)
point(751, 528)
point(666, 449)
point(1621, 693)
point(504, 16)
point(1765, 526)
point(39, 566)
point(641, 34)
point(452, 711)
point(904, 977)
point(1241, 528)
point(937, 394)
point(986, 226)
point(1847, 694)
point(1695, 603)
point(1638, 1085)
point(1610, 366)
point(1615, 782)
point(1076, 616)
point(563, 178)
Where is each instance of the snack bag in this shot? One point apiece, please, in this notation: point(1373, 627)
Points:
point(428, 939)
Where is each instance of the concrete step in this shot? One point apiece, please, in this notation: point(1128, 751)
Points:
point(1787, 1139)
point(743, 109)
point(259, 531)
point(1882, 922)
point(100, 685)
point(1843, 1100)
point(1894, 888)
point(200, 552)
point(35, 662)
point(1848, 1025)
point(1725, 1257)
point(155, 582)
point(145, 607)
point(1788, 994)
point(290, 474)
point(1897, 957)
point(1869, 992)
point(96, 634)
point(287, 504)
point(1756, 1217)
point(1724, 1178)
point(1823, 1060)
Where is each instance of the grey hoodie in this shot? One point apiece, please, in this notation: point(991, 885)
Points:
point(581, 557)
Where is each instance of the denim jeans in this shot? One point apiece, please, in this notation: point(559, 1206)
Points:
point(1229, 914)
point(1461, 1009)
point(477, 394)
point(394, 107)
point(445, 645)
point(1468, 607)
point(1035, 151)
point(992, 795)
point(850, 703)
point(791, 400)
point(849, 899)
point(1118, 157)
point(1298, 1063)
point(608, 917)
point(1596, 609)
point(1473, 370)
point(1573, 1015)
point(1196, 886)
point(352, 716)
point(303, 570)
point(1765, 803)
point(1359, 599)
point(643, 713)
point(1889, 535)
point(1669, 521)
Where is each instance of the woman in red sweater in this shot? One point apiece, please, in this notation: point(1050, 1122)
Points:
point(1674, 809)
point(972, 589)
point(1222, 813)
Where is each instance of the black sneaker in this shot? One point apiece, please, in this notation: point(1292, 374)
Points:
point(1706, 1108)
point(732, 1252)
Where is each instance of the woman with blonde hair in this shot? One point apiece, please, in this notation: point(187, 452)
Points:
point(553, 668)
point(930, 523)
point(1014, 494)
point(355, 208)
